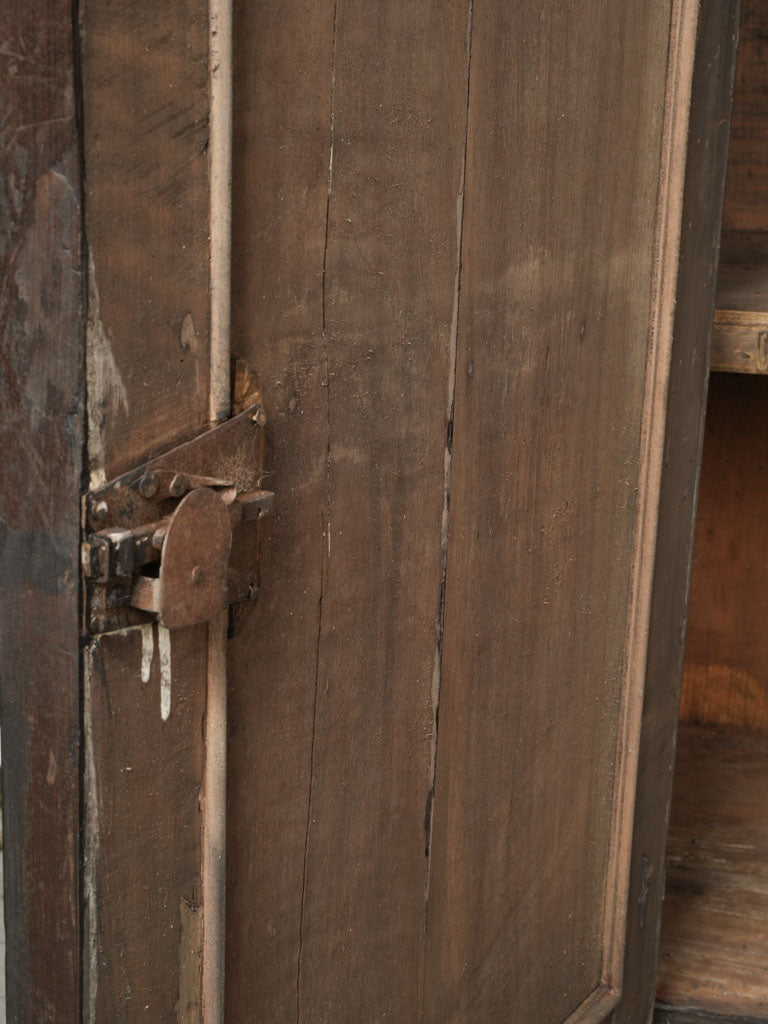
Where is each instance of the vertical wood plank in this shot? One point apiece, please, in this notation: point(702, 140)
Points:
point(554, 332)
point(145, 83)
point(391, 277)
point(142, 841)
point(41, 428)
point(686, 402)
point(145, 108)
point(332, 726)
point(282, 82)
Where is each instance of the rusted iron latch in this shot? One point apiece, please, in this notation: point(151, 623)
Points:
point(171, 540)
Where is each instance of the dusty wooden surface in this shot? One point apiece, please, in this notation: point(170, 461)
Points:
point(41, 429)
point(142, 839)
point(740, 333)
point(280, 191)
point(145, 103)
point(543, 502)
point(669, 1015)
point(145, 74)
point(745, 217)
point(727, 652)
point(354, 342)
point(714, 939)
point(708, 147)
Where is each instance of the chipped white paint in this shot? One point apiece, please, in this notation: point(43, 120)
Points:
point(107, 395)
point(164, 647)
point(147, 650)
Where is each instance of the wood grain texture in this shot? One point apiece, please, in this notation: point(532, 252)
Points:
point(142, 837)
point(726, 677)
point(542, 524)
point(746, 198)
point(394, 225)
point(714, 939)
point(671, 1015)
point(145, 102)
point(353, 342)
point(41, 428)
point(282, 79)
point(702, 204)
point(145, 75)
point(740, 332)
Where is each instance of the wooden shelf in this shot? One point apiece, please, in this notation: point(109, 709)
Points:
point(714, 943)
point(740, 332)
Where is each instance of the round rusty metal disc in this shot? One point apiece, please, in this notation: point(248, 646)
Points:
point(193, 570)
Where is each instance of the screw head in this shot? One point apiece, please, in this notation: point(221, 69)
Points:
point(147, 486)
point(259, 417)
point(100, 511)
point(198, 575)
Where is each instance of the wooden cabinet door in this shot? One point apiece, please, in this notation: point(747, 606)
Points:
point(456, 236)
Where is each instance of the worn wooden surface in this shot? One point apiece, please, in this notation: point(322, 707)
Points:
point(740, 333)
point(726, 676)
point(142, 839)
point(707, 151)
point(280, 190)
point(714, 939)
point(333, 729)
point(745, 217)
point(145, 102)
point(543, 503)
point(41, 429)
point(670, 1015)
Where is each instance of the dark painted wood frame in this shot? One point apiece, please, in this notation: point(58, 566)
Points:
point(42, 436)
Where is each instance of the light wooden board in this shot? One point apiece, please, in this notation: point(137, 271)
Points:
point(740, 335)
point(714, 944)
point(726, 674)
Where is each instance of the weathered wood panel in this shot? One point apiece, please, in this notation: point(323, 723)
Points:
point(353, 339)
point(142, 837)
point(282, 115)
point(740, 332)
point(399, 118)
point(145, 115)
point(746, 198)
point(726, 669)
point(686, 401)
point(41, 428)
point(145, 85)
point(714, 938)
point(556, 322)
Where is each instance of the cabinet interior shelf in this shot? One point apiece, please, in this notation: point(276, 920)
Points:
point(714, 946)
point(740, 332)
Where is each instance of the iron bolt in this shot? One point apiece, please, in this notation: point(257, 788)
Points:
point(179, 486)
point(198, 575)
point(100, 512)
point(148, 485)
point(259, 417)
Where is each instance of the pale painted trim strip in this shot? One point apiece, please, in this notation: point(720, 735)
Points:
point(220, 154)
